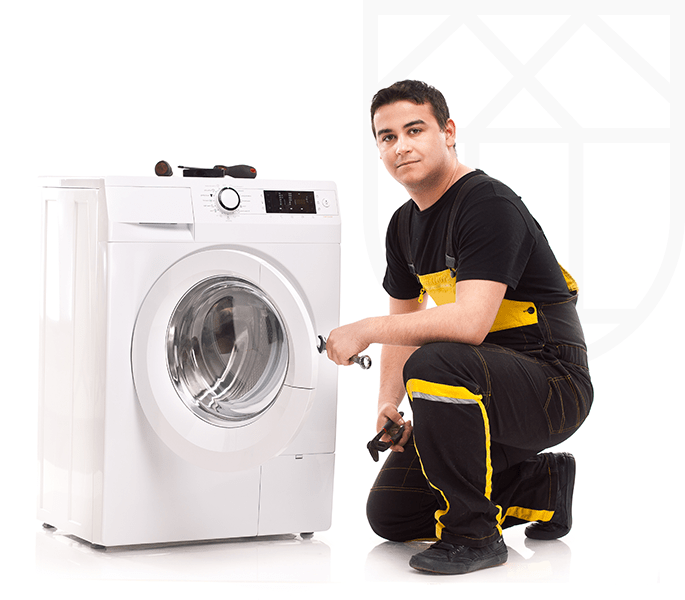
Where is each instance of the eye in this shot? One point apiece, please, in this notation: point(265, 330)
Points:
point(415, 130)
point(388, 138)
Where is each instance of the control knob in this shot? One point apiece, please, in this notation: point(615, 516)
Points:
point(228, 198)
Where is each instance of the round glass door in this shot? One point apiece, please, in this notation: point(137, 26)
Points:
point(224, 359)
point(227, 353)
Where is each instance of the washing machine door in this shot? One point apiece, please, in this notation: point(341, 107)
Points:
point(224, 359)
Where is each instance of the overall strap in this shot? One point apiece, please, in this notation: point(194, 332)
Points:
point(403, 235)
point(466, 187)
point(404, 221)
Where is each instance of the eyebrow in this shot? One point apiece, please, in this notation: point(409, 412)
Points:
point(407, 126)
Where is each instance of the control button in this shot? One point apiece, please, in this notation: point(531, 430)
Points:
point(228, 198)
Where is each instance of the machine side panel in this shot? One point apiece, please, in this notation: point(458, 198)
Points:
point(71, 396)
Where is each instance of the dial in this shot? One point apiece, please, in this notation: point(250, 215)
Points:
point(228, 198)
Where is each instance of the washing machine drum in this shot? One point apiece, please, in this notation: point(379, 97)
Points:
point(226, 351)
point(224, 359)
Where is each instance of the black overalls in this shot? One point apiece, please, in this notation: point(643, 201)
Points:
point(481, 415)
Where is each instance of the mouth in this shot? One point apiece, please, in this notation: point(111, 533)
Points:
point(406, 163)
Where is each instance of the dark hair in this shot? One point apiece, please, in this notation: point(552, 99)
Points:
point(417, 92)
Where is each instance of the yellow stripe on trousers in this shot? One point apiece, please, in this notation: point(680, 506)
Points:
point(453, 395)
point(528, 514)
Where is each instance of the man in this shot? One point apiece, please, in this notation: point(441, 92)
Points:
point(495, 373)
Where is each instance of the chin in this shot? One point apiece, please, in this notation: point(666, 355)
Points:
point(409, 182)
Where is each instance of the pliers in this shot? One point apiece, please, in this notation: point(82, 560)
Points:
point(395, 432)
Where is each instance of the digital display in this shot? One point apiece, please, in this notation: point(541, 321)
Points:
point(289, 202)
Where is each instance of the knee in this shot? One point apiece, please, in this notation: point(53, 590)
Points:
point(381, 520)
point(437, 362)
point(391, 517)
point(416, 365)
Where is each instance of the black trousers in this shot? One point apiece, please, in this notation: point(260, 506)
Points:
point(481, 416)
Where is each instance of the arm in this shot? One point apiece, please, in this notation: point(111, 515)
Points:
point(392, 391)
point(467, 320)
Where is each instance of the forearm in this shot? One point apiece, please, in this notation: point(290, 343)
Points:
point(448, 323)
point(392, 391)
point(391, 380)
point(466, 320)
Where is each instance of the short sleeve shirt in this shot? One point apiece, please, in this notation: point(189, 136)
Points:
point(494, 238)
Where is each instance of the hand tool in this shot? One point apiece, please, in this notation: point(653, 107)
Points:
point(236, 171)
point(239, 171)
point(363, 361)
point(395, 432)
point(163, 169)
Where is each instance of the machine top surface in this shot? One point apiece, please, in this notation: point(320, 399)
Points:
point(207, 208)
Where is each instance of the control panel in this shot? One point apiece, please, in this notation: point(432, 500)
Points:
point(232, 199)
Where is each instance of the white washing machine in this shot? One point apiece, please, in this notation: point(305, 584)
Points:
point(182, 395)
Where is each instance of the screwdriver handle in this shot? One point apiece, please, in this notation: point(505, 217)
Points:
point(239, 171)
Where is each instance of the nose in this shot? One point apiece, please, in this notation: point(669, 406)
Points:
point(403, 146)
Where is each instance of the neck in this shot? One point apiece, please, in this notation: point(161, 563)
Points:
point(428, 193)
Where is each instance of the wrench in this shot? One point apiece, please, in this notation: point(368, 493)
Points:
point(363, 361)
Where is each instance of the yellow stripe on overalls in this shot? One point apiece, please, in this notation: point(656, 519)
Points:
point(528, 514)
point(454, 395)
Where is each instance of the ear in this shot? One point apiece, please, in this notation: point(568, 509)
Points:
point(450, 133)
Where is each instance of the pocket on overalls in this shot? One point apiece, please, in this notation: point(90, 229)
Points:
point(441, 287)
point(562, 407)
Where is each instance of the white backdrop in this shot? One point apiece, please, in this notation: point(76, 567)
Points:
point(581, 113)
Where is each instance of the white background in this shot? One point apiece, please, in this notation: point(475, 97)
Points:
point(91, 88)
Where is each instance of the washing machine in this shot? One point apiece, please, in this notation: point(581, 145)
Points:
point(182, 395)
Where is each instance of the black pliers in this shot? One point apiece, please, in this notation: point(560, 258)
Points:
point(395, 432)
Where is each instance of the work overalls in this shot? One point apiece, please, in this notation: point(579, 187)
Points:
point(481, 416)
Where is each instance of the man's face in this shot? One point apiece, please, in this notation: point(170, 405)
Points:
point(413, 148)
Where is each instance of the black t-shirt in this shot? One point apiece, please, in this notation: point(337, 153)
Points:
point(495, 238)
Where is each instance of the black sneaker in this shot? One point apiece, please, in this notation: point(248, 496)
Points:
point(561, 521)
point(450, 559)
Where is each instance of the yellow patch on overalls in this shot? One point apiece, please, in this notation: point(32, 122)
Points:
point(442, 287)
point(570, 282)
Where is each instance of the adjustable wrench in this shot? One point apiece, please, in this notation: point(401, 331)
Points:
point(363, 361)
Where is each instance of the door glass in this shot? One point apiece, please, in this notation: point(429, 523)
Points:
point(226, 351)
